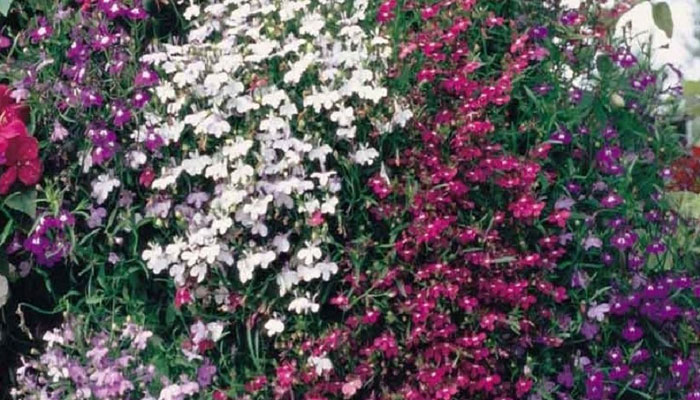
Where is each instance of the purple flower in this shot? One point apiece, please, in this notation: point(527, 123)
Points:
point(640, 356)
point(90, 98)
point(566, 378)
point(597, 312)
point(575, 95)
point(594, 386)
point(619, 373)
point(542, 89)
point(112, 8)
point(137, 12)
point(607, 259)
point(43, 31)
point(619, 306)
point(656, 247)
point(680, 369)
point(205, 373)
point(573, 188)
point(623, 240)
point(592, 241)
point(639, 381)
point(5, 42)
point(75, 72)
point(634, 261)
point(121, 115)
point(611, 200)
point(146, 77)
point(694, 395)
point(561, 136)
point(96, 217)
point(59, 132)
point(116, 65)
point(77, 51)
point(589, 329)
point(632, 332)
point(154, 141)
point(571, 18)
point(625, 59)
point(140, 99)
point(539, 32)
point(197, 199)
point(609, 133)
point(615, 356)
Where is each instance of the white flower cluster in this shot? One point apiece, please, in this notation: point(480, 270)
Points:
point(268, 89)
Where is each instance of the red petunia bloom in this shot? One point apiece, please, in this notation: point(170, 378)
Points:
point(22, 162)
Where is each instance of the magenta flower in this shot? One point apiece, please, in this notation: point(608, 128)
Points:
point(121, 115)
point(42, 32)
point(594, 386)
point(632, 332)
point(146, 77)
point(611, 200)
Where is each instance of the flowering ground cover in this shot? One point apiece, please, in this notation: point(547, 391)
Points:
point(314, 199)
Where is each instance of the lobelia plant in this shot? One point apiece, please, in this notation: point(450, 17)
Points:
point(332, 200)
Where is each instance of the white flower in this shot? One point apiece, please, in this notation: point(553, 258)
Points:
point(344, 116)
point(274, 326)
point(311, 24)
point(327, 269)
point(302, 305)
point(309, 253)
point(103, 186)
point(286, 280)
point(401, 115)
point(321, 364)
point(156, 260)
point(365, 155)
point(191, 12)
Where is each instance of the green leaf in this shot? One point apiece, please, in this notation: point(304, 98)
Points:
point(604, 64)
point(686, 204)
point(662, 17)
point(24, 202)
point(5, 6)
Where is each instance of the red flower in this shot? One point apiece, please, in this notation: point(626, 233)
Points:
point(147, 177)
point(182, 297)
point(523, 386)
point(11, 130)
point(22, 162)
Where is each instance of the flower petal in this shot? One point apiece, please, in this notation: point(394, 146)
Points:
point(22, 148)
point(30, 172)
point(13, 129)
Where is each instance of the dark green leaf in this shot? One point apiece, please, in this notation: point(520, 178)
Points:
point(662, 18)
point(604, 64)
point(24, 202)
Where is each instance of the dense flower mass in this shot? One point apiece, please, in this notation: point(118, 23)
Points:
point(317, 200)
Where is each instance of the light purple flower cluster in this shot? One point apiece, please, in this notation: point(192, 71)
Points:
point(104, 365)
